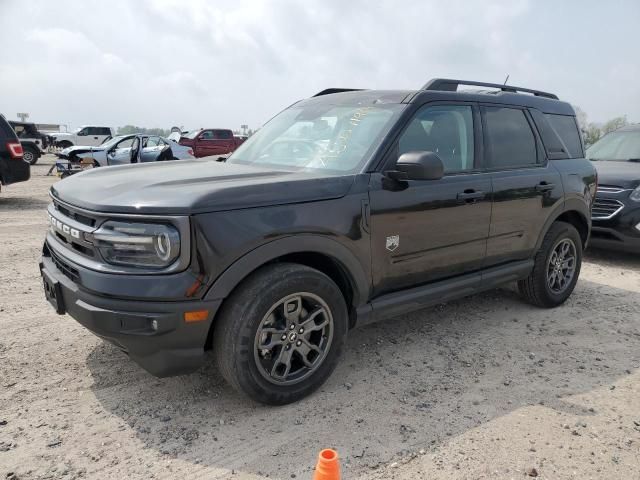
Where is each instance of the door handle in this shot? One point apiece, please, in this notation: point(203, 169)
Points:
point(544, 187)
point(470, 196)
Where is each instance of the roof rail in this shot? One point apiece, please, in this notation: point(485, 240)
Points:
point(451, 85)
point(328, 91)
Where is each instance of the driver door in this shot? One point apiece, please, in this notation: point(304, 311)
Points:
point(428, 230)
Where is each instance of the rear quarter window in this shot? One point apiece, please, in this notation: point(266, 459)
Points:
point(566, 129)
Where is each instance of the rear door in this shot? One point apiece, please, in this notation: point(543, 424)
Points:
point(94, 136)
point(226, 141)
point(151, 149)
point(526, 186)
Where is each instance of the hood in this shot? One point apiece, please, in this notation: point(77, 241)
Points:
point(193, 186)
point(61, 134)
point(620, 174)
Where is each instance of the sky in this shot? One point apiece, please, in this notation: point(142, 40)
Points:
point(206, 63)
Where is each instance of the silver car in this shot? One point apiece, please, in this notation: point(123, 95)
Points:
point(125, 149)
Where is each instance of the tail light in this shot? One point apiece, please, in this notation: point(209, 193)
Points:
point(15, 149)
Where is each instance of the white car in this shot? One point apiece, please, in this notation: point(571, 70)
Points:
point(125, 149)
point(88, 135)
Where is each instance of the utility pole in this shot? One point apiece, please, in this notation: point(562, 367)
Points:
point(22, 116)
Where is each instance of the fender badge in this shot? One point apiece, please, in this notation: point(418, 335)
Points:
point(393, 242)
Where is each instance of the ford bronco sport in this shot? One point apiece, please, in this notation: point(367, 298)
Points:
point(347, 207)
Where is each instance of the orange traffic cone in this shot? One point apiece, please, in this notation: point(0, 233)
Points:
point(328, 467)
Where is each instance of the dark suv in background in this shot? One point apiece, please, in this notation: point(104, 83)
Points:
point(13, 168)
point(616, 212)
point(347, 207)
point(34, 143)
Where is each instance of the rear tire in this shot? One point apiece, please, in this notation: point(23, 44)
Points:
point(30, 155)
point(556, 268)
point(265, 352)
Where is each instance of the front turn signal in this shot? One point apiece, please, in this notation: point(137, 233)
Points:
point(196, 316)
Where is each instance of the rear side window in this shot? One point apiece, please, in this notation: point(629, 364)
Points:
point(224, 134)
point(566, 128)
point(510, 142)
point(104, 131)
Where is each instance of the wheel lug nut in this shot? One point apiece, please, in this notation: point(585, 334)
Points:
point(292, 327)
point(283, 337)
point(301, 330)
point(298, 343)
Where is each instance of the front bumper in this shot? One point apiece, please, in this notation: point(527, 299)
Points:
point(622, 232)
point(153, 333)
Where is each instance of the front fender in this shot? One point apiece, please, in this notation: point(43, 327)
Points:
point(303, 243)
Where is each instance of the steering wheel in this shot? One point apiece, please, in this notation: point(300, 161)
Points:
point(293, 146)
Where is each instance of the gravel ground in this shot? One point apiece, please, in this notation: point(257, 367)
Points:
point(485, 387)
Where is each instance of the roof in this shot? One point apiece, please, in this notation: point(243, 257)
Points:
point(446, 89)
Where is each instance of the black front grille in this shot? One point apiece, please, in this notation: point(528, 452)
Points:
point(78, 217)
point(64, 267)
point(605, 208)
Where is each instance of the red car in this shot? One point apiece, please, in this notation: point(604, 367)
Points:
point(211, 141)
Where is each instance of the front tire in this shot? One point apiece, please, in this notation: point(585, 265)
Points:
point(280, 334)
point(556, 268)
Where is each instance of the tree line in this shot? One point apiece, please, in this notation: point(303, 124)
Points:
point(592, 132)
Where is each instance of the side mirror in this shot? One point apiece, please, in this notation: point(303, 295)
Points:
point(419, 166)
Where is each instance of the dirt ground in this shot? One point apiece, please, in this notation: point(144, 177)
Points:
point(485, 387)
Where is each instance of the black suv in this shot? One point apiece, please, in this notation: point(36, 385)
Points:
point(347, 207)
point(13, 168)
point(33, 142)
point(616, 211)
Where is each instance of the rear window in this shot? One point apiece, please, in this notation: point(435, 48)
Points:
point(566, 128)
point(6, 132)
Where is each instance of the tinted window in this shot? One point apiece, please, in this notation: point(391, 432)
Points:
point(207, 135)
point(103, 131)
point(444, 129)
point(556, 150)
point(509, 139)
point(567, 130)
point(224, 134)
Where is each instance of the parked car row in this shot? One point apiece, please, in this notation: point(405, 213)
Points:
point(124, 149)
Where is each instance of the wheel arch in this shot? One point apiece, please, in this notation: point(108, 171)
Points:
point(574, 214)
point(324, 254)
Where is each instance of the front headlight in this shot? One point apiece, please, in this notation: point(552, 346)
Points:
point(152, 245)
point(635, 195)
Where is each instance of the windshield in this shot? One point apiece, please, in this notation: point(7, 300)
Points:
point(333, 138)
point(620, 146)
